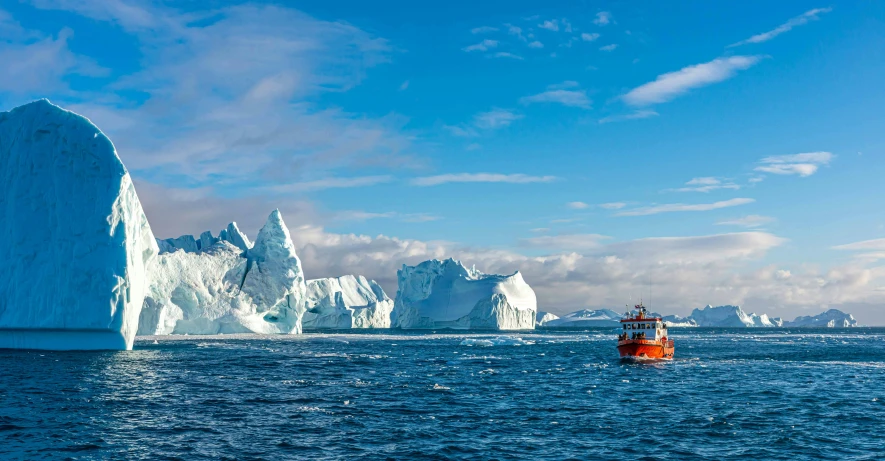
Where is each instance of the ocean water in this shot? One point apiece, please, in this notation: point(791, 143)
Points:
point(729, 394)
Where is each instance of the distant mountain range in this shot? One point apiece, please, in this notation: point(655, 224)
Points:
point(708, 316)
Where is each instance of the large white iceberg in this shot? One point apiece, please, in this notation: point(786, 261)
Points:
point(587, 318)
point(832, 318)
point(74, 241)
point(731, 317)
point(346, 302)
point(445, 294)
point(223, 288)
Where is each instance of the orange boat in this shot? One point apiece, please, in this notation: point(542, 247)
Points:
point(643, 337)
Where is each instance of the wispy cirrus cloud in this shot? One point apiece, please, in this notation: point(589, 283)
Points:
point(483, 30)
point(706, 184)
point(567, 242)
point(357, 215)
point(495, 118)
point(753, 220)
point(565, 93)
point(613, 205)
point(610, 47)
point(552, 25)
point(577, 205)
point(331, 183)
point(589, 37)
point(481, 177)
point(805, 164)
point(504, 54)
point(637, 115)
point(680, 207)
point(670, 85)
point(804, 18)
point(484, 45)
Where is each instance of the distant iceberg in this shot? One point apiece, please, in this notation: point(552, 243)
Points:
point(222, 288)
point(346, 302)
point(445, 294)
point(832, 318)
point(731, 317)
point(74, 241)
point(543, 318)
point(587, 318)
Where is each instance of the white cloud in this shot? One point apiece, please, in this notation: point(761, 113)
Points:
point(536, 44)
point(495, 118)
point(752, 220)
point(577, 205)
point(677, 207)
point(670, 85)
point(483, 30)
point(801, 164)
point(550, 25)
point(404, 86)
point(613, 205)
point(866, 245)
point(484, 45)
point(331, 183)
point(356, 215)
point(810, 15)
point(568, 242)
point(560, 94)
point(706, 184)
point(611, 47)
point(503, 54)
point(481, 177)
point(602, 18)
point(589, 37)
point(515, 30)
point(637, 115)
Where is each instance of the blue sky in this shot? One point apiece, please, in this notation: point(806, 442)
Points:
point(712, 152)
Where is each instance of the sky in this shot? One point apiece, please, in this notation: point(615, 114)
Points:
point(686, 153)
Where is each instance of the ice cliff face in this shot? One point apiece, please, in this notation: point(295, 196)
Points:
point(588, 318)
point(445, 294)
point(74, 241)
point(224, 289)
point(832, 318)
point(346, 302)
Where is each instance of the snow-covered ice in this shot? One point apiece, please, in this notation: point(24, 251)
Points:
point(74, 240)
point(445, 294)
point(832, 318)
point(346, 302)
point(224, 289)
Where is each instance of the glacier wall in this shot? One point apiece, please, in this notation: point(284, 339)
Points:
point(222, 288)
point(346, 302)
point(74, 240)
point(446, 294)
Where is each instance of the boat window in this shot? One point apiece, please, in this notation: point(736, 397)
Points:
point(625, 326)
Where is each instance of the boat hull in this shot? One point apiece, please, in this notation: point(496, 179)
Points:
point(645, 349)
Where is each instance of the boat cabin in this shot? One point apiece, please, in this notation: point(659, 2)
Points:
point(640, 326)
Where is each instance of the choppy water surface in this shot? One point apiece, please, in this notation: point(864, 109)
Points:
point(730, 394)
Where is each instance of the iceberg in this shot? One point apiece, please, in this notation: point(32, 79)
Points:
point(587, 318)
point(188, 243)
point(731, 317)
point(445, 294)
point(542, 318)
point(346, 302)
point(832, 318)
point(225, 289)
point(74, 241)
point(679, 322)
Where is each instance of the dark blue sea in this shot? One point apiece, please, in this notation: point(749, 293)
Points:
point(546, 395)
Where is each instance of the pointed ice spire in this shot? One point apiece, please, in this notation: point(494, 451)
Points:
point(233, 235)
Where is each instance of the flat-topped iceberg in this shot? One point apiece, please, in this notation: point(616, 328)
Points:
point(74, 240)
point(346, 302)
point(445, 294)
point(587, 318)
point(225, 289)
point(832, 318)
